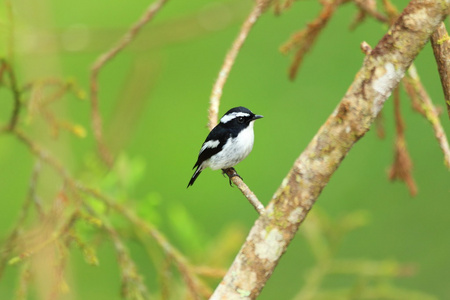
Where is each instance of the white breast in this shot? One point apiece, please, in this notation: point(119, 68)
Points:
point(234, 151)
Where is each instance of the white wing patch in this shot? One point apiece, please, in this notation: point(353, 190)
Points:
point(210, 144)
point(231, 116)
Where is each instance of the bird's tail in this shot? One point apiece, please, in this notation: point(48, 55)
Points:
point(196, 173)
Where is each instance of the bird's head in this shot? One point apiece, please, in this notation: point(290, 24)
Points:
point(238, 117)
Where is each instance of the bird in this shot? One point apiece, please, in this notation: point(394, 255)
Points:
point(228, 143)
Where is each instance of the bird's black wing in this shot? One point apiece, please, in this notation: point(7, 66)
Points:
point(217, 134)
point(213, 144)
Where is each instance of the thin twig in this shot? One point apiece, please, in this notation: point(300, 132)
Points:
point(402, 165)
point(390, 9)
point(416, 91)
point(3, 68)
point(425, 106)
point(440, 41)
point(100, 62)
point(16, 94)
point(48, 234)
point(303, 40)
point(58, 282)
point(133, 286)
point(210, 272)
point(251, 197)
point(10, 242)
point(230, 58)
point(280, 6)
point(32, 195)
point(25, 277)
point(369, 7)
point(39, 102)
point(43, 155)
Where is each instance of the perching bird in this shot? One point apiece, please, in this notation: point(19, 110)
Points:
point(228, 143)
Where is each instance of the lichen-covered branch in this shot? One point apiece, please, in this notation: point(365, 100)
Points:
point(381, 72)
point(441, 48)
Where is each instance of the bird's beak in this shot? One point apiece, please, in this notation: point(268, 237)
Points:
point(257, 117)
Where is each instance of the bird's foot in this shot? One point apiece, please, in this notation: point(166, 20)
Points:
point(231, 172)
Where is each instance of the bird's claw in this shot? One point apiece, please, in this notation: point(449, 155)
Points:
point(234, 174)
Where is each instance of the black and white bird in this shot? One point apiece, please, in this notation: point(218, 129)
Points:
point(228, 143)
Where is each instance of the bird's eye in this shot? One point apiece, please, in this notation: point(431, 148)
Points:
point(240, 120)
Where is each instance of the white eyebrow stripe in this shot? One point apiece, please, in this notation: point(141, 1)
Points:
point(233, 115)
point(210, 144)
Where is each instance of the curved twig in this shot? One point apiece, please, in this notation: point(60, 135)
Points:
point(303, 40)
point(423, 104)
point(5, 67)
point(214, 101)
point(100, 62)
point(369, 7)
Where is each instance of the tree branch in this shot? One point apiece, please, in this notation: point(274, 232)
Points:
point(381, 72)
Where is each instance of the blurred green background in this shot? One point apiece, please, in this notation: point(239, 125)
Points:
point(154, 99)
